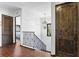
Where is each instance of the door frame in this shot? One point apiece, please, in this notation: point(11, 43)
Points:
point(15, 29)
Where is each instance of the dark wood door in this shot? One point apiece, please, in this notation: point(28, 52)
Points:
point(66, 16)
point(7, 30)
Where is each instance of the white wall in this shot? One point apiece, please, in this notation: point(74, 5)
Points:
point(31, 19)
point(53, 26)
point(46, 39)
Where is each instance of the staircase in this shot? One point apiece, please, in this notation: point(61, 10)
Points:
point(32, 41)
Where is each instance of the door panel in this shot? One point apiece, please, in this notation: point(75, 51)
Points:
point(66, 29)
point(7, 30)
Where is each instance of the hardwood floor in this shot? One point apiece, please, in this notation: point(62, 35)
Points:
point(15, 50)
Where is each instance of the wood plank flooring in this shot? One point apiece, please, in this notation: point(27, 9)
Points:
point(15, 50)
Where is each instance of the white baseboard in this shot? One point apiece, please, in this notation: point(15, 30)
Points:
point(29, 47)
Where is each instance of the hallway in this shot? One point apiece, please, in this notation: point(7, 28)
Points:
point(30, 23)
point(16, 50)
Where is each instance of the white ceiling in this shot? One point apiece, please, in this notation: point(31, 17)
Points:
point(33, 5)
